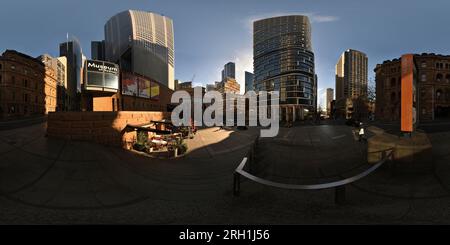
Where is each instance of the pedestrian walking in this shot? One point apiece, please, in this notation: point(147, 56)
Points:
point(361, 132)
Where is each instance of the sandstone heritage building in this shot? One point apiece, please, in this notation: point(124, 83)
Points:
point(27, 86)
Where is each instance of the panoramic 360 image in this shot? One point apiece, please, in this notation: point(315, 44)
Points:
point(224, 112)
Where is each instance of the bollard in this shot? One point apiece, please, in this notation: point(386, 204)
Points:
point(339, 195)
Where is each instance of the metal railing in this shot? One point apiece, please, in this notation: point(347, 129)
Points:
point(339, 185)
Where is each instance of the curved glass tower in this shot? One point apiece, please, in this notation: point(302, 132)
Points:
point(142, 42)
point(284, 61)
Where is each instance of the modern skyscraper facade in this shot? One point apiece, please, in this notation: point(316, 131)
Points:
point(249, 81)
point(329, 97)
point(284, 62)
point(98, 50)
point(351, 84)
point(351, 75)
point(74, 55)
point(142, 42)
point(229, 70)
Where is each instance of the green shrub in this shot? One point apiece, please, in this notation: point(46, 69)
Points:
point(182, 148)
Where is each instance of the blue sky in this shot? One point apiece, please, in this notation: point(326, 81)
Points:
point(209, 33)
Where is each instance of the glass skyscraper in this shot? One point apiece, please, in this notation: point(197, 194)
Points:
point(284, 62)
point(248, 81)
point(74, 55)
point(229, 70)
point(142, 42)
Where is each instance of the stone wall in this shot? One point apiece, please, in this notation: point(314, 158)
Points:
point(108, 128)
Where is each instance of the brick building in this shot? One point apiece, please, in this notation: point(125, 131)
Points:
point(433, 88)
point(27, 87)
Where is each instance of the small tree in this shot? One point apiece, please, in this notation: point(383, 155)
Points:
point(371, 91)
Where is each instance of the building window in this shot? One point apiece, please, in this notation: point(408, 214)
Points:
point(439, 77)
point(392, 82)
point(423, 64)
point(438, 94)
point(447, 78)
point(13, 79)
point(13, 67)
point(423, 77)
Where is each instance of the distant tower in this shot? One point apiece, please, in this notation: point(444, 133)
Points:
point(351, 75)
point(98, 50)
point(229, 70)
point(330, 97)
point(74, 55)
point(249, 81)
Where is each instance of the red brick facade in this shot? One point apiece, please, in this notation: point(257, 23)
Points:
point(100, 127)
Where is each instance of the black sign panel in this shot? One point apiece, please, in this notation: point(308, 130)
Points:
point(102, 66)
point(101, 74)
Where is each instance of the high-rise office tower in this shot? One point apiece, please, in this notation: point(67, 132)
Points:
point(74, 55)
point(283, 61)
point(229, 70)
point(329, 99)
point(142, 42)
point(248, 81)
point(98, 50)
point(351, 75)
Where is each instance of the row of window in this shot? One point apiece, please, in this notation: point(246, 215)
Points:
point(13, 67)
point(438, 65)
point(25, 97)
point(15, 109)
point(423, 78)
point(440, 95)
point(25, 82)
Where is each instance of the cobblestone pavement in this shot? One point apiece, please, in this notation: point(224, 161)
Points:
point(49, 181)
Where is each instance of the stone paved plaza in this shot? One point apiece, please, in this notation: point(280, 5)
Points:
point(50, 181)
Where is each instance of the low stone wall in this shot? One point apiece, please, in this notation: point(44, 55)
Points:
point(412, 154)
point(106, 128)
